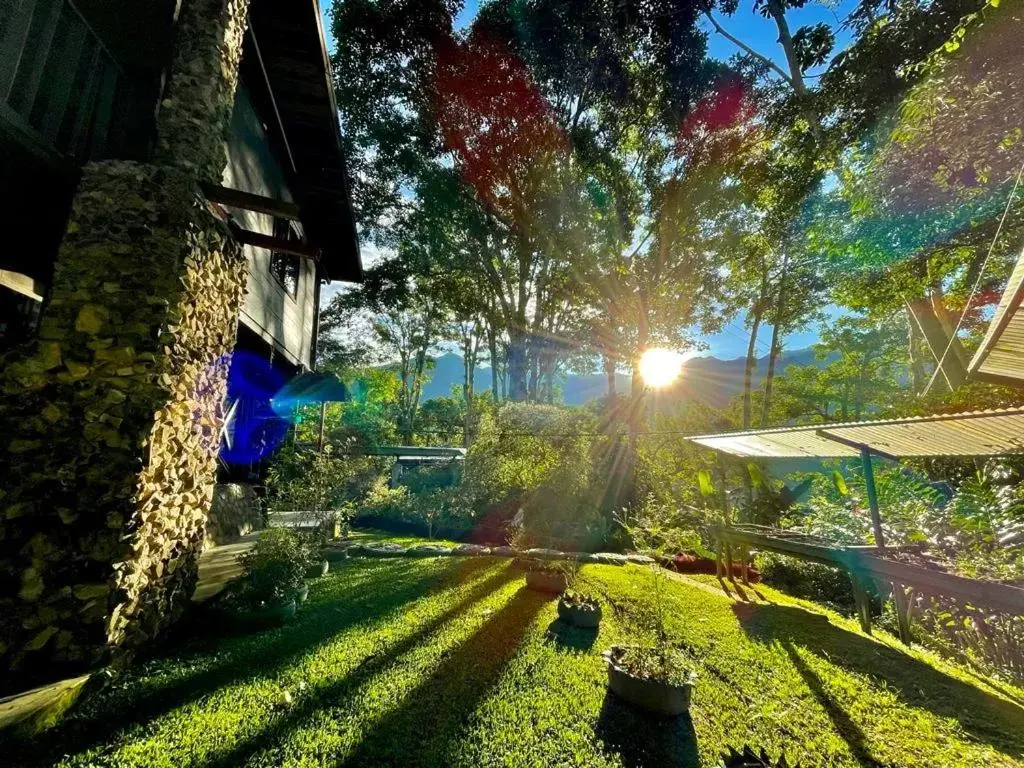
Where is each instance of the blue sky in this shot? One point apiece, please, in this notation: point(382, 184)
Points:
point(761, 34)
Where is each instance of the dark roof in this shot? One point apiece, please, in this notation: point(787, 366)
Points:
point(293, 52)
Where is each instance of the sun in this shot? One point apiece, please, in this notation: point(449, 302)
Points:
point(659, 367)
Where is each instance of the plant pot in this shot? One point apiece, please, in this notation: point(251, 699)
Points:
point(318, 569)
point(273, 614)
point(546, 581)
point(302, 594)
point(651, 695)
point(585, 616)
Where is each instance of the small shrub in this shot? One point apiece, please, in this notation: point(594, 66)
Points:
point(809, 581)
point(276, 564)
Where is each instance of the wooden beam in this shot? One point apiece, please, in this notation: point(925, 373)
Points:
point(236, 198)
point(271, 243)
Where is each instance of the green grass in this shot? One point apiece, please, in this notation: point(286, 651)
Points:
point(374, 536)
point(450, 662)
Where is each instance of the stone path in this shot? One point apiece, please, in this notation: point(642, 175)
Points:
point(219, 565)
point(388, 549)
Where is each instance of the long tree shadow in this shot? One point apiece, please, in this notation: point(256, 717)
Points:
point(329, 695)
point(132, 702)
point(420, 732)
point(844, 724)
point(644, 740)
point(985, 717)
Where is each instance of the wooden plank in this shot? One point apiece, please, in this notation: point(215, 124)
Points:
point(34, 60)
point(65, 70)
point(236, 198)
point(12, 45)
point(86, 106)
point(993, 595)
point(271, 243)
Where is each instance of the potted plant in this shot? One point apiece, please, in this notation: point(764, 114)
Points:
point(656, 676)
point(274, 570)
point(579, 609)
point(546, 576)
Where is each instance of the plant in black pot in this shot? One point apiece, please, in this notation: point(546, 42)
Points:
point(274, 569)
point(578, 607)
point(655, 676)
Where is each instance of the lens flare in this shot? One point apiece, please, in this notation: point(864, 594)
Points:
point(660, 367)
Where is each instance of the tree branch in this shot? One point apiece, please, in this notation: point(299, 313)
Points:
point(740, 44)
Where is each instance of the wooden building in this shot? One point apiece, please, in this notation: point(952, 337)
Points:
point(179, 166)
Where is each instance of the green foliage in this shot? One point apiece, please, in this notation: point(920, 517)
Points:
point(810, 581)
point(318, 483)
point(276, 564)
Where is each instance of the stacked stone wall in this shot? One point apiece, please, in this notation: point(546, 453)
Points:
point(110, 421)
point(235, 512)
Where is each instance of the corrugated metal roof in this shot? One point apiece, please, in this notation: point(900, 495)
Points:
point(976, 433)
point(1000, 358)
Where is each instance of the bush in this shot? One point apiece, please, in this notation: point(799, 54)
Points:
point(440, 512)
point(540, 459)
point(276, 564)
point(809, 581)
point(319, 483)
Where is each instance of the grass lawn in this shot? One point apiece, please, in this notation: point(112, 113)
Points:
point(451, 662)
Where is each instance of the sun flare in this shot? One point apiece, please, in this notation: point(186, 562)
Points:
point(659, 367)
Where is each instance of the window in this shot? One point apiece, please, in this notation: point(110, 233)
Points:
point(285, 266)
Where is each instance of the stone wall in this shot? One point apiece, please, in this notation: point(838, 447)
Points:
point(113, 418)
point(110, 421)
point(235, 512)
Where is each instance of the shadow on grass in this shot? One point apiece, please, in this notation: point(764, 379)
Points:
point(347, 604)
point(844, 724)
point(570, 637)
point(984, 717)
point(433, 715)
point(645, 740)
point(329, 695)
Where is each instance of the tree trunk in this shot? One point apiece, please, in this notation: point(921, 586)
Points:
point(917, 376)
point(755, 326)
point(748, 373)
point(953, 373)
point(492, 346)
point(769, 379)
point(517, 367)
point(609, 372)
point(777, 10)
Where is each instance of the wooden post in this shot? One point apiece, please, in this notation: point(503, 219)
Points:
point(902, 598)
point(745, 565)
point(323, 419)
point(869, 482)
point(863, 602)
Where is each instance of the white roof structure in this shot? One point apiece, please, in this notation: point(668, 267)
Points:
point(976, 433)
point(1000, 358)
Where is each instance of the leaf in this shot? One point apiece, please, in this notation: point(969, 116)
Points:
point(707, 488)
point(757, 478)
point(840, 483)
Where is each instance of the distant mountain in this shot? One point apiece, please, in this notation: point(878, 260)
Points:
point(708, 380)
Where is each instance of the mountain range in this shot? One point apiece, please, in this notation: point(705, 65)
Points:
point(708, 380)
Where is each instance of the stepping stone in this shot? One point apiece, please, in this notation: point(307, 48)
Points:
point(503, 552)
point(608, 558)
point(387, 549)
point(641, 559)
point(471, 550)
point(545, 554)
point(428, 550)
